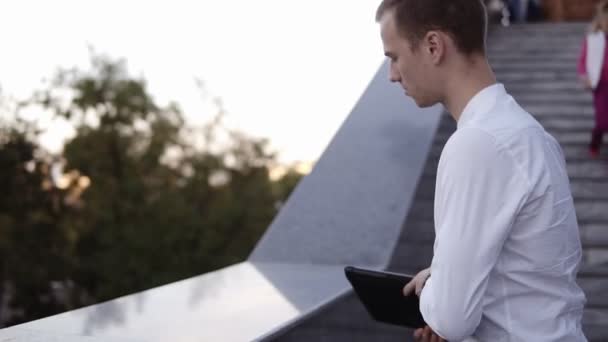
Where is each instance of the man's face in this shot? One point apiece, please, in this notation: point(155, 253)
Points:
point(412, 68)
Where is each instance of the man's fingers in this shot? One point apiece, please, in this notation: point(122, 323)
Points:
point(432, 335)
point(427, 333)
point(419, 286)
point(409, 287)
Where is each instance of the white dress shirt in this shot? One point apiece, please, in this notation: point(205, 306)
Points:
point(507, 246)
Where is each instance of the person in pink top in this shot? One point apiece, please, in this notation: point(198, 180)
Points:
point(593, 73)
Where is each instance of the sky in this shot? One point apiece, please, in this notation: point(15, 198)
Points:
point(287, 70)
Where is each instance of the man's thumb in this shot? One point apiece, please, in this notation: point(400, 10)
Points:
point(407, 289)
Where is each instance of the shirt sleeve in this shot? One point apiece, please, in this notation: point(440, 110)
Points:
point(582, 60)
point(479, 192)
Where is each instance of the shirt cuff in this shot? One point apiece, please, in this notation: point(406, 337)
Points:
point(426, 301)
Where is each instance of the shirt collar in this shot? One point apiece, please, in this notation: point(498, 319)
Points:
point(481, 103)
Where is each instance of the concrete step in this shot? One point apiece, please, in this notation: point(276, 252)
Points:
point(549, 39)
point(536, 75)
point(591, 169)
point(591, 211)
point(595, 290)
point(592, 271)
point(571, 137)
point(595, 258)
point(411, 257)
point(595, 324)
point(498, 31)
point(528, 49)
point(570, 123)
point(545, 102)
point(516, 55)
point(594, 236)
point(590, 190)
point(538, 28)
point(571, 43)
point(544, 88)
point(508, 34)
point(421, 210)
point(563, 85)
point(578, 152)
point(573, 97)
point(573, 124)
point(555, 111)
point(534, 65)
point(569, 57)
point(518, 89)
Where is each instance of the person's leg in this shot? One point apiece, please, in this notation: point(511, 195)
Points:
point(534, 11)
point(600, 104)
point(523, 14)
point(514, 9)
point(596, 142)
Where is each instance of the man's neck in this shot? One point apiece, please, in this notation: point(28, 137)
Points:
point(469, 80)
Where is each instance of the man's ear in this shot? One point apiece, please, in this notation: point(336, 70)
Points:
point(434, 45)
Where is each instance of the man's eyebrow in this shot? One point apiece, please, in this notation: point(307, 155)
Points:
point(389, 54)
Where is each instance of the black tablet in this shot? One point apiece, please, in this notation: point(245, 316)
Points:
point(382, 295)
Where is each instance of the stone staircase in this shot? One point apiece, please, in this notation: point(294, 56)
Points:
point(537, 63)
point(548, 54)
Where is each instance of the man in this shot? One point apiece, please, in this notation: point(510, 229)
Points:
point(507, 246)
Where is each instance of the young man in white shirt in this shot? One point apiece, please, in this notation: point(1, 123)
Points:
point(507, 246)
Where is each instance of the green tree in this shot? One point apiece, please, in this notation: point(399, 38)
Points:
point(36, 253)
point(138, 204)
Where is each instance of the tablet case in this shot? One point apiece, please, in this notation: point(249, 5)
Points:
point(382, 295)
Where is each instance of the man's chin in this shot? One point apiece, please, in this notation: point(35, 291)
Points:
point(423, 104)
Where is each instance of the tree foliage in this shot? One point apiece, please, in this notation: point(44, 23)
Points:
point(131, 203)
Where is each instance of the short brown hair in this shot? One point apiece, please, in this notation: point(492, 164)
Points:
point(464, 20)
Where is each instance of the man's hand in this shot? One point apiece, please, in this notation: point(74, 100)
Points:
point(426, 334)
point(417, 283)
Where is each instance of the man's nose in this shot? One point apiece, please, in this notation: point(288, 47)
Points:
point(394, 76)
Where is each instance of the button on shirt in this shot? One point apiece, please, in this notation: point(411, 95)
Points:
point(507, 246)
